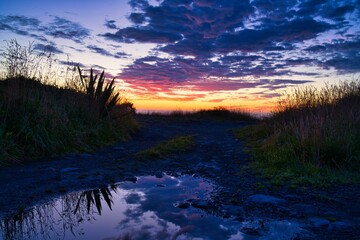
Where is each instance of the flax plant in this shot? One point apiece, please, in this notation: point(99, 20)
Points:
point(103, 94)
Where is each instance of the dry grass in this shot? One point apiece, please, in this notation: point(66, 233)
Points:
point(313, 136)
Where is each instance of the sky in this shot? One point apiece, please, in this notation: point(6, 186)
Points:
point(196, 54)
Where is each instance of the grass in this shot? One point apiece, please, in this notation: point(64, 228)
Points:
point(40, 120)
point(312, 138)
point(166, 148)
point(217, 113)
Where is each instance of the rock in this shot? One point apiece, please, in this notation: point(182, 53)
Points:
point(301, 210)
point(231, 210)
point(250, 231)
point(182, 205)
point(261, 198)
point(319, 222)
point(339, 226)
point(159, 174)
point(84, 155)
point(202, 204)
point(132, 179)
point(64, 170)
point(118, 148)
point(71, 156)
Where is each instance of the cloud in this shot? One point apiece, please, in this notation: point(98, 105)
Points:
point(110, 24)
point(21, 25)
point(340, 54)
point(344, 63)
point(275, 37)
point(137, 18)
point(10, 22)
point(121, 55)
point(273, 32)
point(99, 50)
point(143, 35)
point(104, 52)
point(47, 48)
point(214, 42)
point(63, 28)
point(58, 28)
point(72, 64)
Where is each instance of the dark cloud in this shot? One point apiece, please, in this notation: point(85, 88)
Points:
point(121, 55)
point(344, 63)
point(72, 64)
point(138, 4)
point(273, 32)
point(58, 28)
point(99, 50)
point(341, 11)
point(182, 70)
point(342, 55)
point(11, 22)
point(137, 18)
point(47, 48)
point(132, 34)
point(104, 52)
point(190, 47)
point(276, 38)
point(111, 24)
point(20, 25)
point(223, 40)
point(63, 28)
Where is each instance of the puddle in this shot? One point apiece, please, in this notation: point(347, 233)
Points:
point(150, 208)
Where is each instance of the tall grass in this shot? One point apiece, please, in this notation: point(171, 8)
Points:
point(312, 133)
point(39, 119)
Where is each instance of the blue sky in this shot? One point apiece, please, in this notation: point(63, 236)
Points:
point(183, 54)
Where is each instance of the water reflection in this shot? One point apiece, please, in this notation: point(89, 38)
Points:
point(142, 210)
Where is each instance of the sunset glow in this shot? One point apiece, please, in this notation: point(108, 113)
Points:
point(195, 54)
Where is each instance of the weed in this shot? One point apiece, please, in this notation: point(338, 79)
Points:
point(174, 145)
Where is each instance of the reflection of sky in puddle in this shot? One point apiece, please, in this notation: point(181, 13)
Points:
point(142, 210)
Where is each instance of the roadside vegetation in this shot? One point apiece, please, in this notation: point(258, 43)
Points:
point(42, 114)
point(217, 113)
point(312, 138)
point(168, 147)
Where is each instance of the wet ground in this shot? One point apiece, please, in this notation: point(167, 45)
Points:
point(234, 193)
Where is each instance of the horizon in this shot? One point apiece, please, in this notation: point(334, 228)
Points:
point(191, 55)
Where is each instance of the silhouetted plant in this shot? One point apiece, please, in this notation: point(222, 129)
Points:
point(103, 95)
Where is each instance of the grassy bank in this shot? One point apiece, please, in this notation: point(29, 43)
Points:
point(38, 120)
point(41, 118)
point(313, 137)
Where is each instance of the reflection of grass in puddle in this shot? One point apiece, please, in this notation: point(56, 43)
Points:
point(82, 176)
point(48, 191)
point(133, 209)
point(163, 149)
